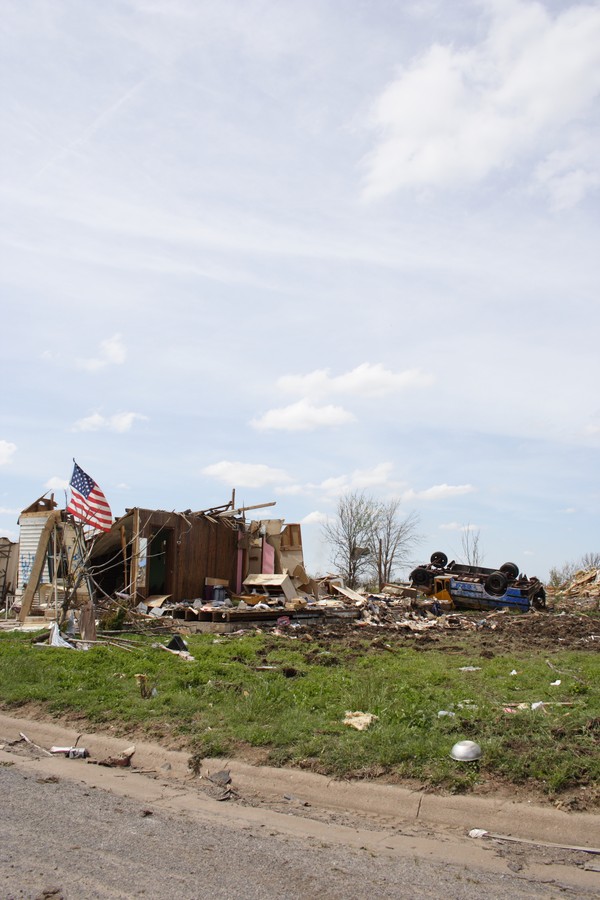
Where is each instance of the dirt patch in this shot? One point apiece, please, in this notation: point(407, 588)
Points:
point(488, 635)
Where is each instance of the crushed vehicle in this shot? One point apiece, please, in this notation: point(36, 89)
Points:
point(476, 587)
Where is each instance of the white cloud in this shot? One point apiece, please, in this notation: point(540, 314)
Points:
point(457, 526)
point(302, 416)
point(7, 451)
point(291, 490)
point(122, 422)
point(567, 175)
point(379, 477)
point(57, 484)
point(367, 379)
point(119, 422)
point(112, 353)
point(358, 480)
point(455, 115)
point(439, 492)
point(250, 475)
point(315, 518)
point(95, 422)
point(5, 511)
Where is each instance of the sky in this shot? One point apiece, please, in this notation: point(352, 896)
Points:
point(306, 249)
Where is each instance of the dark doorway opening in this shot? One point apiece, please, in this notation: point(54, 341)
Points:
point(160, 553)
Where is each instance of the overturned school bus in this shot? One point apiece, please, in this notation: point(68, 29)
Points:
point(475, 587)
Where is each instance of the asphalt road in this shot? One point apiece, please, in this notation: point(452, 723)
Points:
point(65, 839)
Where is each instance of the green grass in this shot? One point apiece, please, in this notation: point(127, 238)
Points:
point(222, 704)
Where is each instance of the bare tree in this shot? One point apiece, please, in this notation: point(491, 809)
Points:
point(559, 577)
point(350, 534)
point(370, 536)
point(589, 561)
point(393, 540)
point(471, 548)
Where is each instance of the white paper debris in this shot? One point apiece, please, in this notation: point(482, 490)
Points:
point(359, 720)
point(56, 639)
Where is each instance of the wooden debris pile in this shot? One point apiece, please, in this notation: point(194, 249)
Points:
point(582, 592)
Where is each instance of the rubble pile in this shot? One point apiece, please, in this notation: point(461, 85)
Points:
point(586, 583)
point(274, 599)
point(582, 592)
point(400, 608)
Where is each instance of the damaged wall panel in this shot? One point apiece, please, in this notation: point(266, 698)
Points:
point(32, 522)
point(165, 553)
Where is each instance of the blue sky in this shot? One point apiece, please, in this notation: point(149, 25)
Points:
point(306, 248)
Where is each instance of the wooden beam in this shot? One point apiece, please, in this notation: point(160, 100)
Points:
point(243, 509)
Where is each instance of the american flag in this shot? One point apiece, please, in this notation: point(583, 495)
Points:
point(88, 502)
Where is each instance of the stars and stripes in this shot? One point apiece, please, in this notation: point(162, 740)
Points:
point(87, 502)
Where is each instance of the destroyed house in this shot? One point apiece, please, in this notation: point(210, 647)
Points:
point(150, 553)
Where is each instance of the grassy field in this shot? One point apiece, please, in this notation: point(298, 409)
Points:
point(287, 698)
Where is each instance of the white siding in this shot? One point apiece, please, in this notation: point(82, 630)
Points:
point(31, 526)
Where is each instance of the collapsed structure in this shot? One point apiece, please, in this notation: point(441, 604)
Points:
point(148, 555)
point(217, 569)
point(212, 569)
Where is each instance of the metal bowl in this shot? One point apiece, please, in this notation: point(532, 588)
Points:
point(466, 751)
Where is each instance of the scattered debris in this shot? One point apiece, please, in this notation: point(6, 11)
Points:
point(230, 573)
point(222, 778)
point(146, 690)
point(359, 720)
point(70, 752)
point(122, 761)
point(55, 638)
point(177, 643)
point(479, 833)
point(220, 787)
point(183, 654)
point(466, 751)
point(37, 746)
